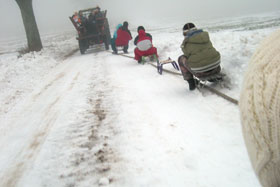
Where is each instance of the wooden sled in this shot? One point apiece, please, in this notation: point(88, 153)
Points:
point(164, 62)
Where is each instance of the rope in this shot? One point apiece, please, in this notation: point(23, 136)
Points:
point(126, 56)
point(213, 90)
point(203, 85)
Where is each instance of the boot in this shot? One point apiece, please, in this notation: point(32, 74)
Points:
point(125, 48)
point(191, 84)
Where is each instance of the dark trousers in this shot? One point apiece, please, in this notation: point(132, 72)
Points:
point(113, 45)
point(125, 48)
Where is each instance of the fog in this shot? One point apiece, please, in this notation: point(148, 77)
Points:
point(52, 15)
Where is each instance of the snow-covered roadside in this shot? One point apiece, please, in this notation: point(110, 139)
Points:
point(20, 75)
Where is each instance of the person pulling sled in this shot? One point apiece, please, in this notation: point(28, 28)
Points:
point(200, 58)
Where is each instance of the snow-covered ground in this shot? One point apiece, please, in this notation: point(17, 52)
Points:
point(103, 120)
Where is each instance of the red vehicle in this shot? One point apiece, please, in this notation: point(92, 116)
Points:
point(92, 27)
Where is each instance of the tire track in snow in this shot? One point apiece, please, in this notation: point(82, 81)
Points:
point(59, 76)
point(11, 100)
point(26, 157)
point(92, 153)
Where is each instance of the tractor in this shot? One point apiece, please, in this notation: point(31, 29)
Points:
point(92, 27)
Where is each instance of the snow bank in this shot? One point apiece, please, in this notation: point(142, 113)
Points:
point(20, 74)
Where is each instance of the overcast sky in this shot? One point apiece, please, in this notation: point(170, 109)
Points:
point(52, 15)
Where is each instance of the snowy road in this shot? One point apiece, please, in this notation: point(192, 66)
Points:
point(29, 128)
point(100, 119)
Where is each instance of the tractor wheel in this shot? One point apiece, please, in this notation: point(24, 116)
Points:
point(82, 46)
point(106, 43)
point(107, 32)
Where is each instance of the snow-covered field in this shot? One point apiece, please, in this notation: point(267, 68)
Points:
point(103, 120)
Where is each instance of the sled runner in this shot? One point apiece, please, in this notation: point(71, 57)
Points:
point(168, 61)
point(120, 48)
point(212, 78)
point(217, 81)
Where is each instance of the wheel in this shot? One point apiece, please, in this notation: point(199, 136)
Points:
point(106, 46)
point(82, 46)
point(107, 31)
point(106, 43)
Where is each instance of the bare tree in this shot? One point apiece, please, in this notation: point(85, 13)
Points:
point(30, 25)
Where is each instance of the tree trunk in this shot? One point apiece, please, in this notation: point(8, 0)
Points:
point(30, 25)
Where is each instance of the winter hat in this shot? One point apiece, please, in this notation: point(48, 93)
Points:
point(187, 27)
point(140, 28)
point(260, 111)
point(125, 24)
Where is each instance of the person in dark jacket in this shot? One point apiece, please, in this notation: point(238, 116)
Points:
point(82, 18)
point(91, 23)
point(144, 45)
point(125, 28)
point(95, 15)
point(200, 58)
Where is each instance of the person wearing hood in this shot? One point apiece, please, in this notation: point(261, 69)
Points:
point(137, 37)
point(123, 37)
point(200, 58)
point(125, 28)
point(113, 40)
point(144, 45)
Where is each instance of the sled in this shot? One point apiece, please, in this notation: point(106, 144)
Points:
point(149, 58)
point(218, 77)
point(219, 80)
point(120, 48)
point(164, 62)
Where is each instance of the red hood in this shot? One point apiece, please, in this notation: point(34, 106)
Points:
point(141, 33)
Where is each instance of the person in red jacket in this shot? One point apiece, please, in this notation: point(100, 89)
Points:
point(123, 37)
point(144, 45)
